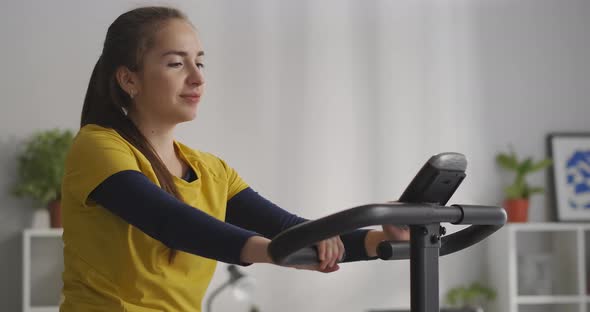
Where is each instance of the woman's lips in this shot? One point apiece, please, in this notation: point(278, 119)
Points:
point(192, 98)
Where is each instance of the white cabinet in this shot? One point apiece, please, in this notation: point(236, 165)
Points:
point(42, 269)
point(540, 267)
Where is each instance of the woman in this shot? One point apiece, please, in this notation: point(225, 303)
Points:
point(146, 217)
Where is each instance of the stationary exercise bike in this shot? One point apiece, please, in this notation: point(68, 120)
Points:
point(422, 208)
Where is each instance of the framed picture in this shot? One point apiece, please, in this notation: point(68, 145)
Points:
point(570, 175)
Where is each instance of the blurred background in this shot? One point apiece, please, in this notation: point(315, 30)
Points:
point(322, 106)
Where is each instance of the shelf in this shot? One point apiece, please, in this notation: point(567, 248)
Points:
point(542, 271)
point(551, 307)
point(548, 299)
point(545, 226)
point(44, 309)
point(42, 269)
point(540, 267)
point(52, 232)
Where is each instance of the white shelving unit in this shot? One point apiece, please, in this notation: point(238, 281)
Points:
point(554, 256)
point(42, 269)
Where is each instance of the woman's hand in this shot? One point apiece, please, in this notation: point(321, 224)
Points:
point(396, 232)
point(330, 251)
point(390, 233)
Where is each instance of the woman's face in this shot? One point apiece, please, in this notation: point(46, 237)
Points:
point(171, 82)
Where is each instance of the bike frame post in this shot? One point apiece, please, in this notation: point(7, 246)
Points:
point(424, 253)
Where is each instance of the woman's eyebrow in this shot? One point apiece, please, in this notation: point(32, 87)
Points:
point(181, 53)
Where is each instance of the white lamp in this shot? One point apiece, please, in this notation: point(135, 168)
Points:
point(242, 285)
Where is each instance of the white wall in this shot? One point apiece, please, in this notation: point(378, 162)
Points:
point(323, 105)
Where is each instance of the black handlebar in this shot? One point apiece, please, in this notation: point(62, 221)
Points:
point(292, 247)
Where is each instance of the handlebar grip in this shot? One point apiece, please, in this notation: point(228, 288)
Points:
point(393, 250)
point(305, 256)
point(482, 215)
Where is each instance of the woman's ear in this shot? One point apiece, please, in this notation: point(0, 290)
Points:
point(128, 80)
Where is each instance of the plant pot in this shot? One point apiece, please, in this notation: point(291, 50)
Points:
point(464, 309)
point(40, 219)
point(517, 209)
point(54, 208)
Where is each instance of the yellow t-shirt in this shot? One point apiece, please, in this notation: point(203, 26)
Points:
point(111, 265)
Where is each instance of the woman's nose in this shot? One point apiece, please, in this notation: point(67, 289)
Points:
point(196, 76)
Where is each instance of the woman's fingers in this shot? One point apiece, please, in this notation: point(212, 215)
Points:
point(328, 260)
point(337, 248)
point(330, 251)
point(330, 269)
point(324, 254)
point(322, 251)
point(316, 268)
point(333, 252)
point(341, 246)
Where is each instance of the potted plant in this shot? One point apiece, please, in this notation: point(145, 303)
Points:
point(470, 298)
point(41, 168)
point(518, 193)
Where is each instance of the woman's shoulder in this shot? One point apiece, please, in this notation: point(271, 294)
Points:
point(93, 139)
point(94, 130)
point(92, 135)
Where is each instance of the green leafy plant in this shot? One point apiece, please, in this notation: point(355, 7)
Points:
point(520, 188)
point(473, 295)
point(41, 166)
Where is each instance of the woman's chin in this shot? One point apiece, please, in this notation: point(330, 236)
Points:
point(189, 116)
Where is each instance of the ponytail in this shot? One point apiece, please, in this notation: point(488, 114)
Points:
point(106, 103)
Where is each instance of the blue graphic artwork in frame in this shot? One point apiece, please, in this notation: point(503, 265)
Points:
point(570, 175)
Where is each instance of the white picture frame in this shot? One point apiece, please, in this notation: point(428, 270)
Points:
point(570, 175)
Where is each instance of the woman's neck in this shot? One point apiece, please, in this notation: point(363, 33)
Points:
point(160, 136)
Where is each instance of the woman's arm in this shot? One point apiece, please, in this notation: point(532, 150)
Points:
point(133, 197)
point(256, 250)
point(373, 239)
point(249, 210)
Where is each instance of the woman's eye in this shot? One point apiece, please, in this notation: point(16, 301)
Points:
point(200, 65)
point(174, 64)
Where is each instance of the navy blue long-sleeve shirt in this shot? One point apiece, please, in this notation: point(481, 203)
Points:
point(141, 203)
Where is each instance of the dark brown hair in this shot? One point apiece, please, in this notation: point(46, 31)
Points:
point(127, 40)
